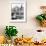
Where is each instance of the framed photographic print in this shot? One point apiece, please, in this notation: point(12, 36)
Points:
point(18, 11)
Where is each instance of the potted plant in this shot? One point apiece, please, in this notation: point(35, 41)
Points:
point(42, 17)
point(10, 31)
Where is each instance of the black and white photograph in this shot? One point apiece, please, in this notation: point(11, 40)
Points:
point(18, 12)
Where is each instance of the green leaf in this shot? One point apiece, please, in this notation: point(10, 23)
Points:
point(11, 31)
point(40, 18)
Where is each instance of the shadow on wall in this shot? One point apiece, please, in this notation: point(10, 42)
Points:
point(1, 30)
point(34, 22)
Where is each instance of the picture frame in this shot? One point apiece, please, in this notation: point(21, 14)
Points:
point(18, 11)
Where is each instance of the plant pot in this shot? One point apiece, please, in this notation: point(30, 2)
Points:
point(9, 41)
point(43, 23)
point(13, 38)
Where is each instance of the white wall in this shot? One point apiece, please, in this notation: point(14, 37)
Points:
point(33, 8)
